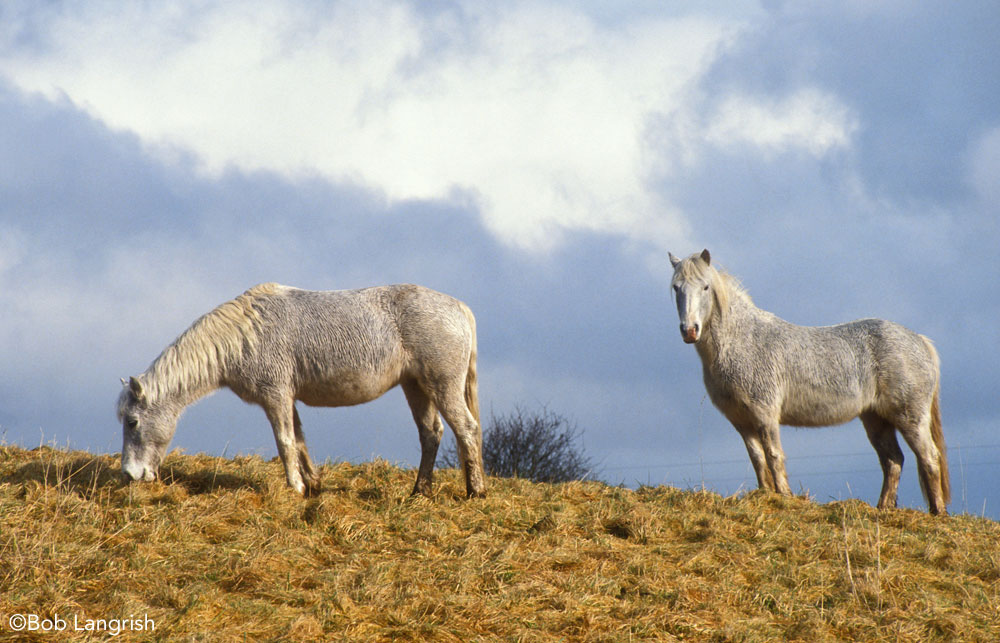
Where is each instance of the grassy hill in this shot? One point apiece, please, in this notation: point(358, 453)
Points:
point(223, 551)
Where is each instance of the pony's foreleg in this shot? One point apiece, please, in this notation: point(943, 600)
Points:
point(309, 473)
point(755, 449)
point(770, 433)
point(429, 425)
point(882, 435)
point(280, 414)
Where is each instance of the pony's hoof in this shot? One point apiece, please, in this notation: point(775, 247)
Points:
point(422, 488)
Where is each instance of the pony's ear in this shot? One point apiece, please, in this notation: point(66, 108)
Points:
point(673, 260)
point(706, 257)
point(136, 387)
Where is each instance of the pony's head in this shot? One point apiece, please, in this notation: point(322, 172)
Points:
point(147, 428)
point(699, 292)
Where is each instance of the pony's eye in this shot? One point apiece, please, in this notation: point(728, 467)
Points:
point(706, 287)
point(132, 423)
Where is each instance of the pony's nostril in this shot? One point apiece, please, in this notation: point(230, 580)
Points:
point(132, 473)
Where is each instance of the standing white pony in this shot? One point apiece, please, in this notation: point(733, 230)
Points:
point(762, 371)
point(274, 345)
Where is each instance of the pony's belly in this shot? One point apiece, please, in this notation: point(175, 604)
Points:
point(342, 393)
point(816, 413)
point(834, 395)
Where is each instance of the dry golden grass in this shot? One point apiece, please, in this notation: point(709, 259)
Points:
point(222, 551)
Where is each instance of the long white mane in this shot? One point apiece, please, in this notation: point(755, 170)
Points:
point(196, 358)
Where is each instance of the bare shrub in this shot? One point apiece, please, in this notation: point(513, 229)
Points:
point(534, 445)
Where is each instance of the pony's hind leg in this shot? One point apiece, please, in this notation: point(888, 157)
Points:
point(429, 425)
point(309, 473)
point(929, 458)
point(882, 435)
point(468, 437)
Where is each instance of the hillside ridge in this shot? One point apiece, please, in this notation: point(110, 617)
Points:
point(222, 550)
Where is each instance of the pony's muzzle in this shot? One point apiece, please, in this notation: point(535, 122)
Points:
point(690, 333)
point(130, 474)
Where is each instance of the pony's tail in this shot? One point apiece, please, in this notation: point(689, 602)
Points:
point(939, 443)
point(471, 378)
point(936, 433)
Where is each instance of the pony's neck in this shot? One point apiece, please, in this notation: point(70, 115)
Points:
point(727, 313)
point(709, 346)
point(167, 383)
point(197, 362)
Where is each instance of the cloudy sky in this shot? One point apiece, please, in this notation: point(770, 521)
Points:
point(537, 161)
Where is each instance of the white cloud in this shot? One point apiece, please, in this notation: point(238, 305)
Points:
point(537, 113)
point(808, 119)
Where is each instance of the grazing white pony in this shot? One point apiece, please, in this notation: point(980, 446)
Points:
point(762, 371)
point(274, 345)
